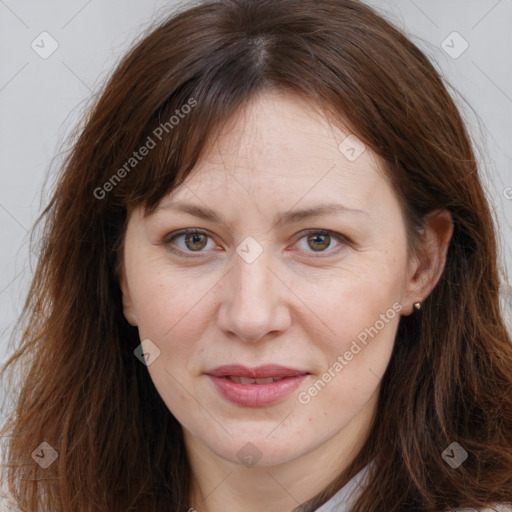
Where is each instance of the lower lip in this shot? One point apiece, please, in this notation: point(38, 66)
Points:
point(257, 395)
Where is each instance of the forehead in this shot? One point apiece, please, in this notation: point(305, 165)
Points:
point(280, 142)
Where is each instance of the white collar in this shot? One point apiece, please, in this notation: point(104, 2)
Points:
point(346, 496)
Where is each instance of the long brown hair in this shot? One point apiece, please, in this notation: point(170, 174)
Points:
point(81, 388)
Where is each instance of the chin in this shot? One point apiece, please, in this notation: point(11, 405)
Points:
point(256, 450)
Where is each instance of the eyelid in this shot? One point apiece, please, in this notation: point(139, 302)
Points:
point(302, 234)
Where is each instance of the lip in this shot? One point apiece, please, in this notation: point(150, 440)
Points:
point(256, 395)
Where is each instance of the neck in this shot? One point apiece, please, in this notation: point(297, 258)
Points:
point(219, 484)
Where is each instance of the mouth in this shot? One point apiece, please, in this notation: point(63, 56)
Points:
point(245, 380)
point(258, 375)
point(256, 387)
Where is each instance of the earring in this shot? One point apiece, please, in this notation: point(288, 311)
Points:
point(417, 305)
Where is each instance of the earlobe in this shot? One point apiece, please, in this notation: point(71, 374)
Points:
point(428, 267)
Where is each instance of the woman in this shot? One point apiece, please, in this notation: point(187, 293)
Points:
point(269, 282)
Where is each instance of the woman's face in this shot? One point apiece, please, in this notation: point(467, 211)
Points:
point(261, 285)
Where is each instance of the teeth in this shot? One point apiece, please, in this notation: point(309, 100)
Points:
point(245, 380)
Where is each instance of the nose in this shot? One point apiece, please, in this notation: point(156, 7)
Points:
point(254, 301)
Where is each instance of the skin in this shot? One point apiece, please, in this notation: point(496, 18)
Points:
point(299, 304)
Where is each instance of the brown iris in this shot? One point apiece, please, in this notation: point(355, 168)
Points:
point(195, 238)
point(323, 239)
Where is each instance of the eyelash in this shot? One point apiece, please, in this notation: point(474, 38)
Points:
point(168, 239)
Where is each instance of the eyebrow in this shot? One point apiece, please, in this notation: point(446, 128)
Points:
point(281, 218)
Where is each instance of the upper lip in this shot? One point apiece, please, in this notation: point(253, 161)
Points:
point(260, 372)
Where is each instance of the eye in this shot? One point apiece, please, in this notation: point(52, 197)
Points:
point(194, 240)
point(319, 240)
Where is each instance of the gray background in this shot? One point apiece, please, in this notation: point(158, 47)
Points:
point(41, 99)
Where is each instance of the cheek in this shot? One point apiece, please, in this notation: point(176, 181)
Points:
point(362, 319)
point(359, 311)
point(356, 299)
point(171, 314)
point(168, 301)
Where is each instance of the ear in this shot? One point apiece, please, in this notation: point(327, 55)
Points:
point(426, 268)
point(128, 308)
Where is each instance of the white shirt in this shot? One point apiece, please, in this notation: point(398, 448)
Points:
point(344, 499)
